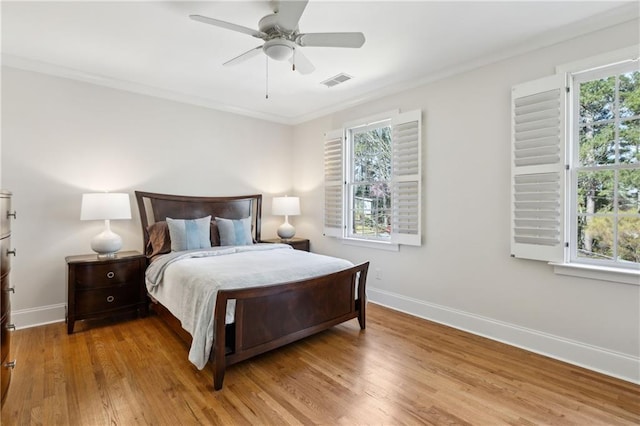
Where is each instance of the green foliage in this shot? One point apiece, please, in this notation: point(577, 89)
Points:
point(600, 231)
point(372, 153)
point(609, 132)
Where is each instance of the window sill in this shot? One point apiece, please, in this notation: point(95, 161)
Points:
point(623, 276)
point(380, 245)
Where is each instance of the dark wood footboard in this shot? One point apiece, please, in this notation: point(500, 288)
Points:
point(273, 316)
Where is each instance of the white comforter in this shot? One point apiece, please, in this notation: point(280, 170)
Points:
point(187, 282)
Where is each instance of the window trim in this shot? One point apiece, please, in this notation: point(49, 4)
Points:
point(406, 181)
point(374, 244)
point(574, 80)
point(371, 119)
point(569, 266)
point(560, 258)
point(597, 272)
point(348, 203)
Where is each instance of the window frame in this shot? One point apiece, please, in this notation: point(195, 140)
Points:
point(557, 116)
point(350, 182)
point(575, 79)
point(406, 181)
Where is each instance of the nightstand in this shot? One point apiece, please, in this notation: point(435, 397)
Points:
point(102, 287)
point(295, 242)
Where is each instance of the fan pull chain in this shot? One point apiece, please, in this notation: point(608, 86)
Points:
point(294, 59)
point(267, 78)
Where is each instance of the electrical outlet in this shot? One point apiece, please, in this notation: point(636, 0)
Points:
point(378, 274)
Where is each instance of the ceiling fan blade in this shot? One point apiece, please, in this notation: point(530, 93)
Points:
point(331, 39)
point(228, 25)
point(301, 63)
point(288, 13)
point(243, 57)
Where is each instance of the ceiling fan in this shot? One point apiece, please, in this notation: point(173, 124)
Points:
point(282, 38)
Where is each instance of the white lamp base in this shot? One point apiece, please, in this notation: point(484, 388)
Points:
point(106, 243)
point(286, 230)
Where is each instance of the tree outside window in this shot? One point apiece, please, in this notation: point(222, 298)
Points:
point(607, 179)
point(370, 179)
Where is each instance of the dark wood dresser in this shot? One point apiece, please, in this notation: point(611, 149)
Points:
point(7, 252)
point(103, 287)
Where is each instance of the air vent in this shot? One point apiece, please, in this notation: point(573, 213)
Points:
point(337, 79)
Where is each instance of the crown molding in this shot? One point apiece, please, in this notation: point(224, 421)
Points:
point(626, 13)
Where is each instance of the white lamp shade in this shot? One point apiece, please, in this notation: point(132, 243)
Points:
point(105, 206)
point(285, 206)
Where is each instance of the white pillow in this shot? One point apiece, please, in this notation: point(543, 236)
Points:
point(187, 234)
point(235, 232)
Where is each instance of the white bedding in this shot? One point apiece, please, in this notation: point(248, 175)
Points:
point(186, 283)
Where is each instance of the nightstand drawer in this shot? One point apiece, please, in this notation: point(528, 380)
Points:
point(107, 274)
point(108, 298)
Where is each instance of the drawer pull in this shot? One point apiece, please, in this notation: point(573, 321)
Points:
point(110, 299)
point(111, 274)
point(10, 364)
point(9, 214)
point(11, 327)
point(13, 252)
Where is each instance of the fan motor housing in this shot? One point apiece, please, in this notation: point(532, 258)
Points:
point(269, 25)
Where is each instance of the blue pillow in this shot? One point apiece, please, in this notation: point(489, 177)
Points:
point(187, 234)
point(234, 232)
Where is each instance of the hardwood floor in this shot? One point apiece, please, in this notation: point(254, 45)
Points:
point(401, 370)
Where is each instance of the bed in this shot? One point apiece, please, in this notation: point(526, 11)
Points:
point(260, 309)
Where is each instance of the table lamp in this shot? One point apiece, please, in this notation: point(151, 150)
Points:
point(286, 206)
point(105, 206)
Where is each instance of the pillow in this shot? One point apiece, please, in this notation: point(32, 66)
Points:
point(187, 234)
point(159, 240)
point(235, 232)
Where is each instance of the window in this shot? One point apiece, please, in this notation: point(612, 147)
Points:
point(605, 179)
point(369, 181)
point(576, 167)
point(373, 180)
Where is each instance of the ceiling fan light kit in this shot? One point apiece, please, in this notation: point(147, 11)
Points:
point(278, 48)
point(282, 37)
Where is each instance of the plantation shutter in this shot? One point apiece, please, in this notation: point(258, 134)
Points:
point(537, 169)
point(406, 185)
point(333, 183)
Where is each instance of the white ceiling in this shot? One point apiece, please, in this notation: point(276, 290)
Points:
point(153, 47)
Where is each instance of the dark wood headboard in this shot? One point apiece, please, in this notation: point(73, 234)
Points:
point(157, 207)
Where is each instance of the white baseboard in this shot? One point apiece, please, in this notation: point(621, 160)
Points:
point(25, 318)
point(611, 363)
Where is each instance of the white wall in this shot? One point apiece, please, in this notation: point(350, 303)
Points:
point(61, 138)
point(463, 274)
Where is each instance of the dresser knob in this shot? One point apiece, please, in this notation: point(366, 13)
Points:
point(10, 364)
point(110, 299)
point(9, 214)
point(111, 274)
point(13, 252)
